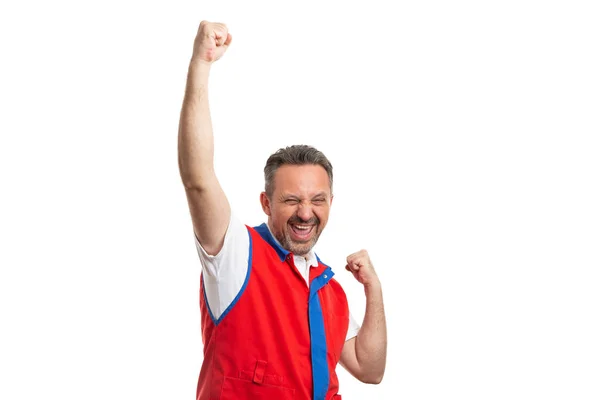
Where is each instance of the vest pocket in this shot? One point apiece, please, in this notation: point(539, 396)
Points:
point(240, 389)
point(257, 386)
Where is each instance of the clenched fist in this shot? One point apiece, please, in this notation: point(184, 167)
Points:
point(361, 267)
point(212, 40)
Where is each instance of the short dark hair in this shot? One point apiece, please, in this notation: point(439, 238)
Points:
point(299, 154)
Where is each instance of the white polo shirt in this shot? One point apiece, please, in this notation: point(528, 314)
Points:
point(224, 274)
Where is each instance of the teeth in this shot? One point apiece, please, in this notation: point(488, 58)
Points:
point(301, 227)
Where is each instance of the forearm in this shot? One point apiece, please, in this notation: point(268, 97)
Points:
point(371, 341)
point(195, 142)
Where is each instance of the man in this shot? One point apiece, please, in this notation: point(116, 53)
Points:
point(274, 322)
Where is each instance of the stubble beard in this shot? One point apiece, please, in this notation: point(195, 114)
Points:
point(297, 248)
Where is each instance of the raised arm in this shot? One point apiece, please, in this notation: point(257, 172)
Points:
point(207, 202)
point(364, 355)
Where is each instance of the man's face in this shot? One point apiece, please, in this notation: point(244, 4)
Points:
point(299, 208)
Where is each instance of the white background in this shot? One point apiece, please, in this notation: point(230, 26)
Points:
point(464, 142)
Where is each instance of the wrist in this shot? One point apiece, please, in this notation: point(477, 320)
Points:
point(199, 62)
point(372, 285)
point(199, 70)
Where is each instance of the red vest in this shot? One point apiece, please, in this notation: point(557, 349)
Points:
point(279, 339)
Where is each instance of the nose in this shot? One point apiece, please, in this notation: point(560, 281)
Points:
point(305, 212)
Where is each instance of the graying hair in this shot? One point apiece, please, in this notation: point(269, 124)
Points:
point(295, 155)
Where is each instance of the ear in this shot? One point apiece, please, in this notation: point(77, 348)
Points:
point(331, 200)
point(265, 203)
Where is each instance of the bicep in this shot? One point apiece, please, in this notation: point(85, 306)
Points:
point(210, 212)
point(348, 358)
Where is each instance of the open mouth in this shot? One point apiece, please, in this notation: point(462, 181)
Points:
point(301, 232)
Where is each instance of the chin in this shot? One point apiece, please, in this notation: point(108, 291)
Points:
point(302, 248)
point(300, 251)
point(298, 248)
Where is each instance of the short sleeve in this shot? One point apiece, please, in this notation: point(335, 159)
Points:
point(353, 328)
point(224, 274)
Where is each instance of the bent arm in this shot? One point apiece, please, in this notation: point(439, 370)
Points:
point(364, 356)
point(209, 207)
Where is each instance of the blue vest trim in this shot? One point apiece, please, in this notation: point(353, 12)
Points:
point(237, 297)
point(263, 231)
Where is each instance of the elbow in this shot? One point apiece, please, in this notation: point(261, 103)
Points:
point(192, 185)
point(373, 379)
point(195, 183)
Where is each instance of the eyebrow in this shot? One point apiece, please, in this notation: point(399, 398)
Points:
point(293, 196)
point(289, 196)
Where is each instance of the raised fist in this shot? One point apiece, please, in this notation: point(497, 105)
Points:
point(212, 40)
point(360, 265)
